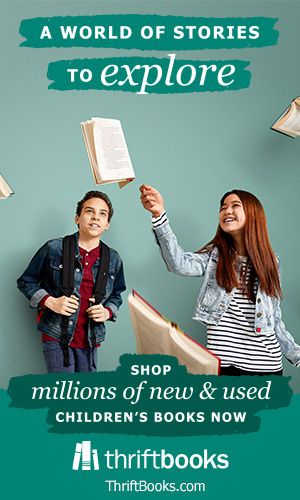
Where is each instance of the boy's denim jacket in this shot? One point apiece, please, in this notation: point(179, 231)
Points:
point(213, 300)
point(43, 276)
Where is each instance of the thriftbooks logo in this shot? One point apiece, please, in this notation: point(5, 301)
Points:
point(85, 458)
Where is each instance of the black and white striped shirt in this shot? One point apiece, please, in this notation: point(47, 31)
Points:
point(235, 340)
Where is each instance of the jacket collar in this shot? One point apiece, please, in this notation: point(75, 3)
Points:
point(77, 252)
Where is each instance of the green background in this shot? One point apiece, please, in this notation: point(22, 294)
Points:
point(191, 147)
point(262, 465)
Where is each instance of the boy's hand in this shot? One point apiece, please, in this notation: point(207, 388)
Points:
point(152, 200)
point(62, 305)
point(98, 313)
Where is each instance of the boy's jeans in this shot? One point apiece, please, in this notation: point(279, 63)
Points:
point(81, 360)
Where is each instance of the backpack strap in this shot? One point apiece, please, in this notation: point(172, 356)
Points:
point(101, 279)
point(68, 265)
point(102, 275)
point(67, 290)
point(68, 285)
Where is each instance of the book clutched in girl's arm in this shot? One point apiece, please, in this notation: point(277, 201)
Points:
point(289, 122)
point(107, 151)
point(157, 335)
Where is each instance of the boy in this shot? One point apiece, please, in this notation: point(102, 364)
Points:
point(76, 289)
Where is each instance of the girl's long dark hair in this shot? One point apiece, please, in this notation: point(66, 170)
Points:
point(263, 263)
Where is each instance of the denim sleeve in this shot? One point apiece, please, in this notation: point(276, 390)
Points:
point(177, 260)
point(114, 301)
point(29, 282)
point(289, 348)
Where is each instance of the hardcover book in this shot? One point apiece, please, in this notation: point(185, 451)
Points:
point(155, 334)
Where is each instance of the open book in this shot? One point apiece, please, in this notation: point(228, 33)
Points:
point(289, 122)
point(107, 151)
point(5, 190)
point(157, 335)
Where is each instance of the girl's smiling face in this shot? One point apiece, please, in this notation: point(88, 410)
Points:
point(232, 216)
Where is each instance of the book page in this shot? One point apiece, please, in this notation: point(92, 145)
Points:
point(111, 150)
point(151, 330)
point(88, 136)
point(290, 122)
point(197, 359)
point(5, 189)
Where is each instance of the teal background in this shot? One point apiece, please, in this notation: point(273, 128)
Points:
point(262, 465)
point(177, 392)
point(31, 30)
point(57, 72)
point(191, 147)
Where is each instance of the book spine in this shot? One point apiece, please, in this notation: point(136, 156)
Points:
point(77, 456)
point(86, 455)
point(95, 459)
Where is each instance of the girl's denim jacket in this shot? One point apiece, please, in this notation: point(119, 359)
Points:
point(43, 276)
point(213, 300)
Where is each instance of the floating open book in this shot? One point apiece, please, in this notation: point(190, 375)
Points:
point(5, 190)
point(289, 122)
point(107, 151)
point(157, 335)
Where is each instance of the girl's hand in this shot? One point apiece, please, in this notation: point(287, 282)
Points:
point(152, 200)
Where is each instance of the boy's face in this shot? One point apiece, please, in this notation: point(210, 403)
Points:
point(93, 219)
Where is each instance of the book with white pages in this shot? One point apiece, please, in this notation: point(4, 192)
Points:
point(5, 189)
point(289, 122)
point(155, 334)
point(107, 151)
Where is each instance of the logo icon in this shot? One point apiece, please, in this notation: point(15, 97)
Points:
point(85, 456)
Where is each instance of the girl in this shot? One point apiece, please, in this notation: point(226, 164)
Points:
point(240, 296)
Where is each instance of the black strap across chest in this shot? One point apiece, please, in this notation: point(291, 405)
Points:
point(69, 245)
point(68, 262)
